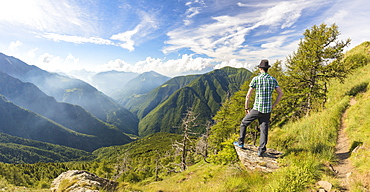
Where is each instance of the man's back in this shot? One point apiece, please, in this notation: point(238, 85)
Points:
point(264, 84)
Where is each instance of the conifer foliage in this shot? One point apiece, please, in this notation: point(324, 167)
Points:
point(317, 60)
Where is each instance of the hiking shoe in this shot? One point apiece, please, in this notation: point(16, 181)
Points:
point(261, 154)
point(238, 145)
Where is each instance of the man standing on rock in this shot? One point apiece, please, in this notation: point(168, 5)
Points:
point(264, 84)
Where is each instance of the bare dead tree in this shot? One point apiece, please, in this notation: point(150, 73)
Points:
point(122, 166)
point(202, 144)
point(188, 122)
point(157, 166)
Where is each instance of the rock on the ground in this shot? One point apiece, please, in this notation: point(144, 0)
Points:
point(325, 185)
point(81, 181)
point(248, 156)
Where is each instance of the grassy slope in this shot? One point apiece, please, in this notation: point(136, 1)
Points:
point(357, 120)
point(207, 178)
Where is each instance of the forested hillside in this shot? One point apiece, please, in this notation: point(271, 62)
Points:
point(203, 96)
point(18, 150)
point(141, 105)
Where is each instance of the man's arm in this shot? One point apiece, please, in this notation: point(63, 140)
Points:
point(247, 98)
point(278, 98)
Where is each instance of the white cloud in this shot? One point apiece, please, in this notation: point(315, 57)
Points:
point(283, 13)
point(49, 58)
point(126, 38)
point(14, 45)
point(191, 12)
point(53, 63)
point(118, 65)
point(259, 5)
point(71, 59)
point(234, 63)
point(31, 54)
point(77, 39)
point(173, 67)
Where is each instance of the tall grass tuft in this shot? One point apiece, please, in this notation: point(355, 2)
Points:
point(300, 175)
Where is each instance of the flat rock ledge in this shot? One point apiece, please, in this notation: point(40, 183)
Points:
point(248, 156)
point(81, 181)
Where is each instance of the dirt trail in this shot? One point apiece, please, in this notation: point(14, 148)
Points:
point(344, 168)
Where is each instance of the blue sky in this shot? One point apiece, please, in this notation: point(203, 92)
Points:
point(171, 37)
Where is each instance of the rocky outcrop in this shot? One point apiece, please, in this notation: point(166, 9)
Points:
point(248, 156)
point(81, 181)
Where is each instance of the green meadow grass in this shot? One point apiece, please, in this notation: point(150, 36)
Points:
point(208, 178)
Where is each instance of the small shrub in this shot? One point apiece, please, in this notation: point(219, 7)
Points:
point(226, 155)
point(362, 87)
point(43, 184)
point(356, 60)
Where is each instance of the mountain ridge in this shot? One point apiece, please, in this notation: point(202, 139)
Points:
point(203, 96)
point(73, 91)
point(141, 84)
point(141, 105)
point(36, 127)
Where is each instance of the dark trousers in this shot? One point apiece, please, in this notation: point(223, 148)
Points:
point(263, 119)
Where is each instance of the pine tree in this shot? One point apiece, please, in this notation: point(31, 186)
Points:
point(317, 60)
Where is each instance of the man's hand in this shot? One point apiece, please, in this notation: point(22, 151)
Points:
point(246, 111)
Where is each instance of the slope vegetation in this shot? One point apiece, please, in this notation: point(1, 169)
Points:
point(141, 105)
point(19, 150)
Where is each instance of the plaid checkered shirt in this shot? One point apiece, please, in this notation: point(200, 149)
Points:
point(264, 84)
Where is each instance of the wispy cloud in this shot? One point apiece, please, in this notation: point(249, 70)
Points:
point(126, 40)
point(44, 15)
point(231, 36)
point(77, 39)
point(194, 9)
point(130, 38)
